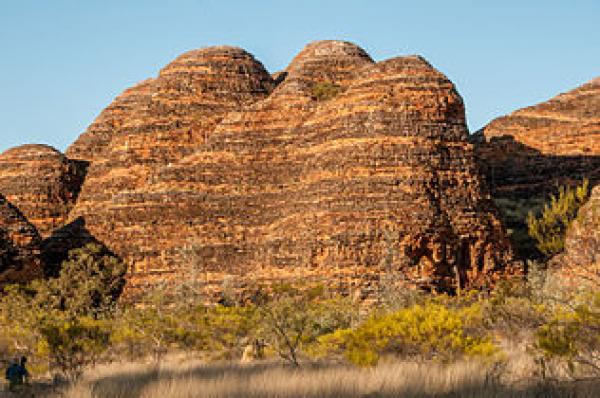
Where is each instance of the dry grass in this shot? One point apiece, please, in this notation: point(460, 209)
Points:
point(195, 379)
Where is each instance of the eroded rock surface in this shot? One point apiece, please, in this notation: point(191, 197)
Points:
point(91, 144)
point(19, 246)
point(42, 183)
point(529, 153)
point(582, 242)
point(268, 181)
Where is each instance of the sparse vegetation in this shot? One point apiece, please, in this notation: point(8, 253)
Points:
point(178, 378)
point(514, 211)
point(550, 227)
point(62, 323)
point(325, 90)
point(421, 332)
point(294, 319)
point(65, 329)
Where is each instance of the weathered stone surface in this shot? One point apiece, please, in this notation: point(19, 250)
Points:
point(91, 144)
point(379, 179)
point(566, 125)
point(527, 154)
point(19, 246)
point(42, 183)
point(582, 243)
point(191, 95)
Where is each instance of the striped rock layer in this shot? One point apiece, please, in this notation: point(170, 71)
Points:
point(582, 242)
point(215, 166)
point(91, 144)
point(527, 154)
point(42, 183)
point(19, 246)
point(578, 267)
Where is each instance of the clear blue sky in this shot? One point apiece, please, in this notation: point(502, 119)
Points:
point(63, 61)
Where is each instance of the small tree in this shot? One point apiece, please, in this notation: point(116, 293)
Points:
point(572, 336)
point(60, 321)
point(72, 344)
point(550, 228)
point(19, 326)
point(89, 283)
point(153, 325)
point(294, 318)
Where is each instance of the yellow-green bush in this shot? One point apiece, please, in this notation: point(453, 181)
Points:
point(324, 91)
point(573, 335)
point(550, 227)
point(294, 317)
point(429, 331)
point(224, 329)
point(72, 344)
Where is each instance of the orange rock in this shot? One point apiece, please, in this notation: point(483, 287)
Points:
point(19, 246)
point(271, 184)
point(529, 153)
point(582, 243)
point(42, 183)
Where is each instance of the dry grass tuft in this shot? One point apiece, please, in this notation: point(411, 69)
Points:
point(399, 379)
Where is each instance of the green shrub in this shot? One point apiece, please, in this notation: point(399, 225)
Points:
point(60, 322)
point(225, 329)
point(73, 344)
point(324, 91)
point(89, 283)
point(294, 318)
point(572, 335)
point(550, 228)
point(430, 331)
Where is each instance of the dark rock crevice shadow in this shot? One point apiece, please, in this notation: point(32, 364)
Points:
point(521, 179)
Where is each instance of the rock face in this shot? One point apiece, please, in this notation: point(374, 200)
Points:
point(42, 183)
point(19, 246)
point(225, 170)
point(582, 243)
point(92, 143)
point(527, 154)
point(189, 97)
point(566, 125)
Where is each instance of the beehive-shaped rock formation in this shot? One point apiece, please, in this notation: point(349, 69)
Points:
point(527, 154)
point(42, 183)
point(189, 97)
point(566, 125)
point(19, 246)
point(375, 178)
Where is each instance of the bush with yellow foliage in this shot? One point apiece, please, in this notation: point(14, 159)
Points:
point(429, 331)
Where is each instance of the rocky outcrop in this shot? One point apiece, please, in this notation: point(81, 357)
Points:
point(42, 183)
point(91, 144)
point(566, 125)
point(190, 96)
point(582, 242)
point(527, 154)
point(19, 246)
point(225, 171)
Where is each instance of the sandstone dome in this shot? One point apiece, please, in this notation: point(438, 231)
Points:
point(19, 246)
point(275, 184)
point(42, 183)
